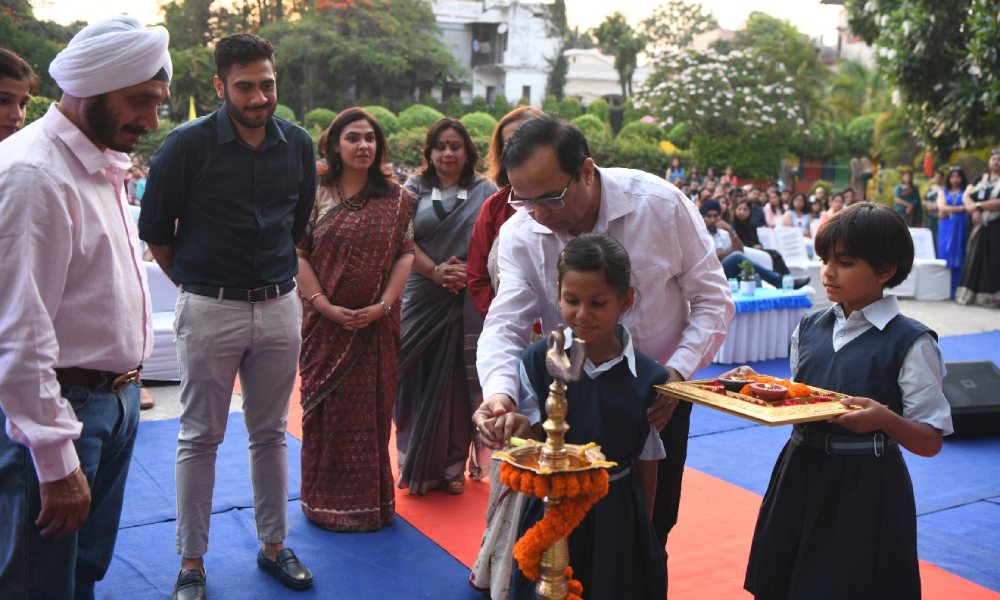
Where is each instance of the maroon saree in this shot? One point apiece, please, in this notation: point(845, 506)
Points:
point(349, 377)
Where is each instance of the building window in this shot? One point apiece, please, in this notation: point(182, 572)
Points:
point(526, 92)
point(491, 94)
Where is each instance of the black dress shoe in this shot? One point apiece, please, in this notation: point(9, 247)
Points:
point(799, 282)
point(286, 568)
point(190, 585)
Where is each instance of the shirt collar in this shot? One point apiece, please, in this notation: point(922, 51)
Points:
point(627, 354)
point(227, 133)
point(878, 313)
point(93, 159)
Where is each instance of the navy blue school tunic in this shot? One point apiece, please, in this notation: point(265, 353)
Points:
point(836, 526)
point(614, 551)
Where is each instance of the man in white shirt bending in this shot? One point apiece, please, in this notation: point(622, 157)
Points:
point(683, 301)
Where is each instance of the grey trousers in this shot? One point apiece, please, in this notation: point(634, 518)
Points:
point(216, 340)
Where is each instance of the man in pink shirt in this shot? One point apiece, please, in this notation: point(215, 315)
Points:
point(75, 320)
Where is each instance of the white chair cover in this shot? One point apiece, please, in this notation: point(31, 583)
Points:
point(162, 363)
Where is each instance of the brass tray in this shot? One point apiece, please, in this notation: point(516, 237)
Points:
point(764, 414)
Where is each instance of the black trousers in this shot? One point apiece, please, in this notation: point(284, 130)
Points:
point(671, 471)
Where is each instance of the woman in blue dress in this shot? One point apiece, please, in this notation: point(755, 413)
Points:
point(952, 224)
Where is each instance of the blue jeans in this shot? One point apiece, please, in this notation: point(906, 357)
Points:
point(35, 567)
point(731, 266)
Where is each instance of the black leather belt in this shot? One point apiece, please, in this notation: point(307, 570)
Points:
point(873, 444)
point(268, 292)
point(90, 378)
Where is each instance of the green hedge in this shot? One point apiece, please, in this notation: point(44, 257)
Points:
point(592, 127)
point(407, 146)
point(385, 117)
point(680, 135)
point(630, 153)
point(479, 123)
point(756, 158)
point(286, 113)
point(599, 108)
point(648, 132)
point(860, 133)
point(319, 118)
point(418, 116)
point(37, 107)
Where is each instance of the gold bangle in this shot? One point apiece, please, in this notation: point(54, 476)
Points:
point(313, 297)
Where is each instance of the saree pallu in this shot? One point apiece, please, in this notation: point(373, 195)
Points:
point(438, 385)
point(348, 377)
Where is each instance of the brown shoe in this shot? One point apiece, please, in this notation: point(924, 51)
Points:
point(455, 487)
point(146, 399)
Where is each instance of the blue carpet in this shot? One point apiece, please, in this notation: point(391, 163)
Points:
point(963, 540)
point(396, 562)
point(149, 492)
point(957, 494)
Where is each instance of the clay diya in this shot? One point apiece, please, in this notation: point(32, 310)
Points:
point(769, 392)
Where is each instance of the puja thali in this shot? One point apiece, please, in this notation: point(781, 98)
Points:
point(808, 405)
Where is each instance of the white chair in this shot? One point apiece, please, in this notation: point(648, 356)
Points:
point(767, 238)
point(162, 363)
point(933, 277)
point(792, 246)
point(760, 257)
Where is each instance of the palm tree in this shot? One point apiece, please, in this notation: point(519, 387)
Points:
point(856, 90)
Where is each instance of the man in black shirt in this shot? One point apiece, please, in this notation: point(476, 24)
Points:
point(227, 198)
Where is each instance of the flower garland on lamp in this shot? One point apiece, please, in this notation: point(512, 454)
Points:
point(576, 492)
point(570, 478)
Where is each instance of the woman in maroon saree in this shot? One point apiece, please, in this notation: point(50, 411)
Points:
point(353, 264)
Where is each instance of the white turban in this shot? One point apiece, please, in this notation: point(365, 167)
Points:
point(111, 55)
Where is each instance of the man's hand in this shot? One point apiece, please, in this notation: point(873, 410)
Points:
point(65, 505)
point(493, 430)
point(662, 409)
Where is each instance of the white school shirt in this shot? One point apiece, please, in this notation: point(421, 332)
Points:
point(529, 405)
point(920, 378)
point(683, 302)
point(74, 290)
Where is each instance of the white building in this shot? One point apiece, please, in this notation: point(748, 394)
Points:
point(503, 44)
point(592, 75)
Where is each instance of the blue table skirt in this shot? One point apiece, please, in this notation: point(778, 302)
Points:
point(770, 299)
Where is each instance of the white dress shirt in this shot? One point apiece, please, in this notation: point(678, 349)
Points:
point(920, 379)
point(683, 302)
point(530, 406)
point(74, 288)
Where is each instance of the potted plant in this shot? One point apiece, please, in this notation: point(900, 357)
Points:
point(748, 278)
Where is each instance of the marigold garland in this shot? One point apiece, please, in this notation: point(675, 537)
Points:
point(579, 491)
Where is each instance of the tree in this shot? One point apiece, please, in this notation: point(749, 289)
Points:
point(674, 24)
point(556, 26)
point(856, 90)
point(342, 52)
point(942, 57)
point(789, 53)
point(617, 38)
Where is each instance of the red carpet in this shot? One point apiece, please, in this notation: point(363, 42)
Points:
point(708, 548)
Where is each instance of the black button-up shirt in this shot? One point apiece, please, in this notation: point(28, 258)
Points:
point(233, 213)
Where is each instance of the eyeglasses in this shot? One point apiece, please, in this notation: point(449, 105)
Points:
point(546, 202)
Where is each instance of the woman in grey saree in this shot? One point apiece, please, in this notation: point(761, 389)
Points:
point(438, 386)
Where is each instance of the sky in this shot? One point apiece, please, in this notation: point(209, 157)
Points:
point(809, 16)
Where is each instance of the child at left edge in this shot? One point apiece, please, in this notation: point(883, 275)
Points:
point(838, 519)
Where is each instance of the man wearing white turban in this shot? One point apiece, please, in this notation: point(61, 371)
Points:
point(75, 319)
point(227, 197)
